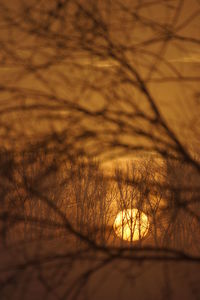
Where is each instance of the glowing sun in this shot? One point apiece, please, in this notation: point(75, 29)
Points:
point(131, 224)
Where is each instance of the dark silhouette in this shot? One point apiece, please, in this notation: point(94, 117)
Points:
point(84, 83)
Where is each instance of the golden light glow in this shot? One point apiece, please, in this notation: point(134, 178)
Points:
point(131, 225)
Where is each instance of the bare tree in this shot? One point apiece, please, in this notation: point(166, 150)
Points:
point(84, 79)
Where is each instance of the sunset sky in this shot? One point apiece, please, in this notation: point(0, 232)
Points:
point(99, 149)
point(76, 71)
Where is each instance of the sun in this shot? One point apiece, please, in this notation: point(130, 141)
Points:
point(131, 224)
